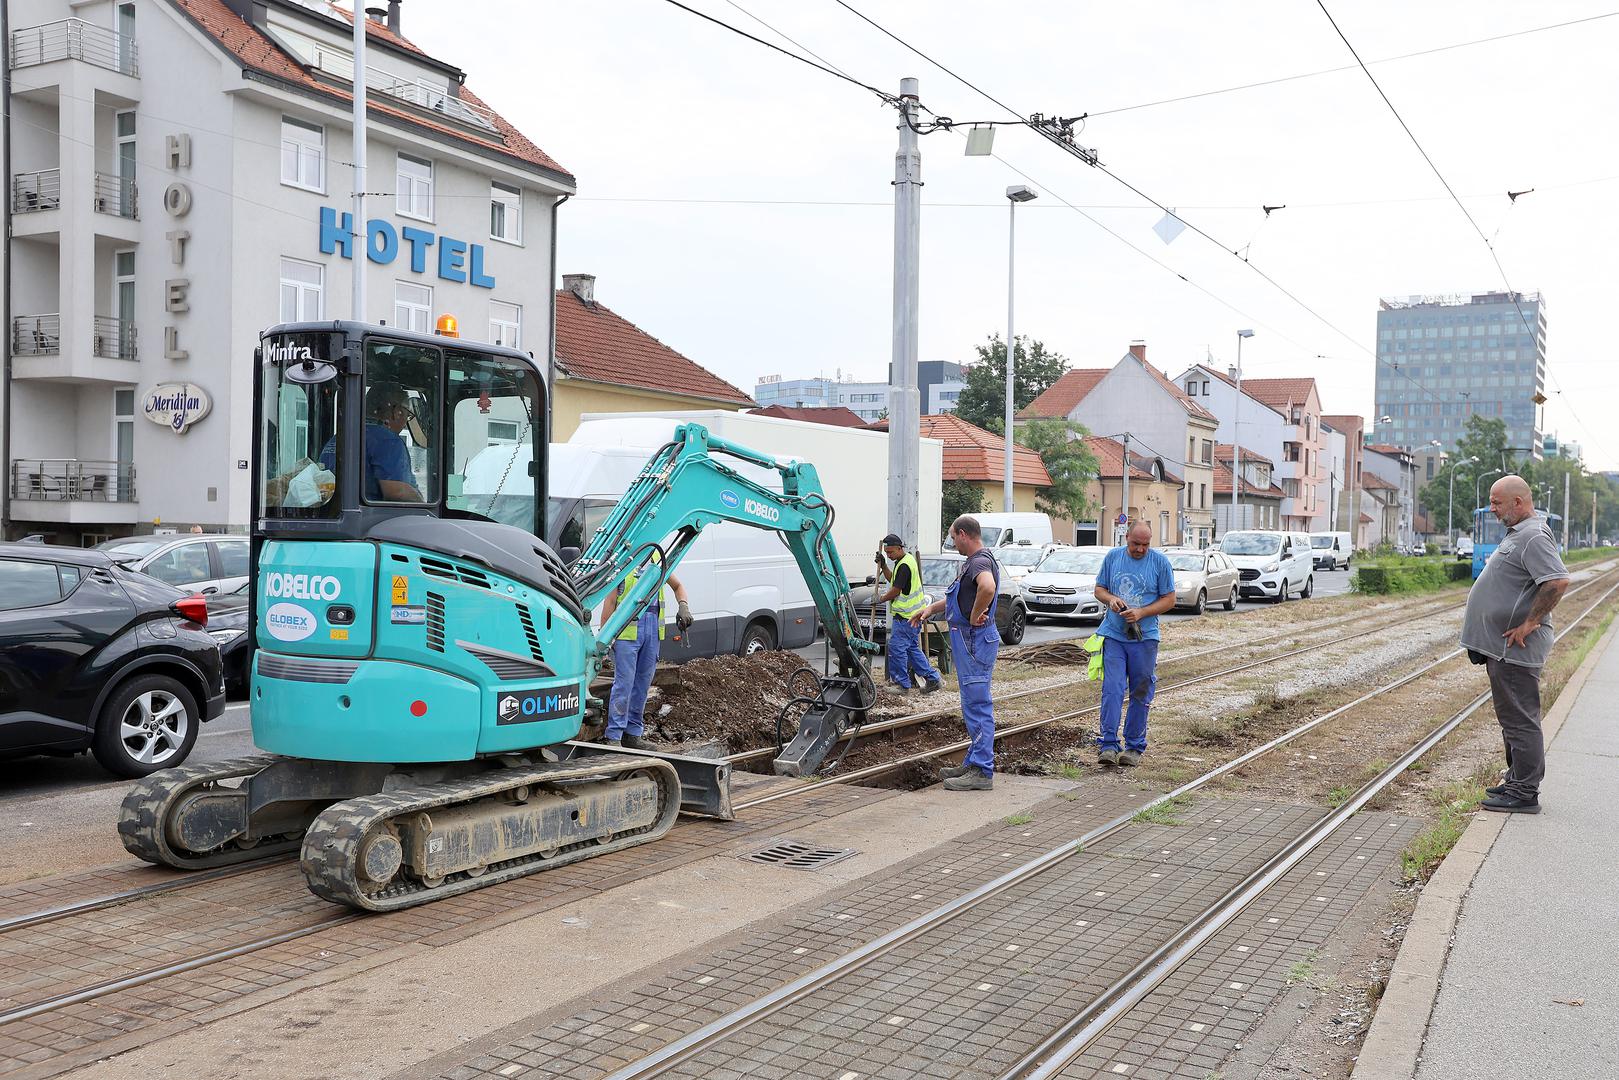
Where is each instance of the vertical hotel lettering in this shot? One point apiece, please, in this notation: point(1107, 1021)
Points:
point(177, 201)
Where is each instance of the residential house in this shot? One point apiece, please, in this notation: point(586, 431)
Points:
point(1155, 496)
point(979, 457)
point(1396, 467)
point(1136, 399)
point(1262, 426)
point(1353, 430)
point(830, 415)
point(1259, 501)
point(607, 364)
point(1380, 511)
point(1302, 466)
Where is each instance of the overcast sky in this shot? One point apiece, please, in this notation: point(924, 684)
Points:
point(738, 205)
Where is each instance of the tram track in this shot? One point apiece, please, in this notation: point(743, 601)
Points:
point(1059, 1048)
point(154, 973)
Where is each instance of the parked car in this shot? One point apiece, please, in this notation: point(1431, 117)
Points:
point(1464, 548)
point(938, 571)
point(96, 657)
point(1063, 584)
point(198, 563)
point(1332, 550)
point(1017, 561)
point(1202, 578)
point(1275, 565)
point(230, 624)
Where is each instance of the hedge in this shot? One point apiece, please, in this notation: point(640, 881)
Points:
point(1409, 575)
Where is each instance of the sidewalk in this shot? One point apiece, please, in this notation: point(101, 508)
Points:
point(1531, 985)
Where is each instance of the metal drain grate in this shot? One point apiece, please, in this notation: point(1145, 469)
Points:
point(798, 856)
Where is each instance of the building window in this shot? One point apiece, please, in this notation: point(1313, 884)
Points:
point(1205, 388)
point(415, 190)
point(505, 324)
point(1208, 451)
point(303, 286)
point(123, 441)
point(413, 307)
point(125, 128)
point(505, 213)
point(503, 432)
point(303, 155)
point(1203, 495)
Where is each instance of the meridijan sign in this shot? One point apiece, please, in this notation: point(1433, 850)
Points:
point(176, 405)
point(457, 260)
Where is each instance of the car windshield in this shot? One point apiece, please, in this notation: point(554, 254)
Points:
point(1321, 541)
point(936, 572)
point(132, 547)
point(1070, 562)
point(1239, 543)
point(1020, 556)
point(1186, 561)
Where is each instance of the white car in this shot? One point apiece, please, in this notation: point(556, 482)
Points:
point(1063, 584)
point(1017, 561)
point(208, 564)
point(1274, 565)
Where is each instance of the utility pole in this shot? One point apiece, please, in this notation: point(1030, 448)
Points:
point(357, 250)
point(1593, 517)
point(1565, 510)
point(904, 400)
point(1124, 508)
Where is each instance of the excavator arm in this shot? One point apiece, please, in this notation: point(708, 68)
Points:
point(688, 485)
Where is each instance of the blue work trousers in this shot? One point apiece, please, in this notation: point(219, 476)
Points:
point(974, 650)
point(1127, 666)
point(633, 665)
point(905, 654)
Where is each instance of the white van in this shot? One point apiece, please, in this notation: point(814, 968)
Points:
point(1004, 530)
point(1333, 550)
point(1275, 565)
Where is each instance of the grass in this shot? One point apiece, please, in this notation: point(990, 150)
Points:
point(1338, 796)
point(1019, 819)
point(1069, 772)
point(1303, 970)
point(1163, 813)
point(1586, 554)
point(1456, 802)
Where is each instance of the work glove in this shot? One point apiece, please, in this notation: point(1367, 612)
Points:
point(683, 616)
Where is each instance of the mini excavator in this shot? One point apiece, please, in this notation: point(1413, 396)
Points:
point(424, 658)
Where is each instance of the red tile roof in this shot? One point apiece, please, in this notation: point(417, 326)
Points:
point(1222, 485)
point(1385, 448)
point(595, 344)
point(1192, 407)
point(1222, 452)
point(1110, 462)
point(833, 415)
point(1060, 397)
point(1344, 421)
point(254, 50)
point(1372, 482)
point(1367, 519)
point(971, 453)
point(1223, 377)
point(1279, 393)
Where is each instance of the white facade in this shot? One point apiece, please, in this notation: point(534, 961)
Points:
point(1398, 469)
point(182, 203)
point(1335, 479)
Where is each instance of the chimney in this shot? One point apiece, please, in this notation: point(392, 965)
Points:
point(1231, 371)
point(393, 16)
point(1138, 349)
point(252, 12)
point(377, 15)
point(581, 285)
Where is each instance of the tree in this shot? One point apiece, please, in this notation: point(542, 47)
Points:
point(1485, 440)
point(958, 497)
point(983, 398)
point(1068, 459)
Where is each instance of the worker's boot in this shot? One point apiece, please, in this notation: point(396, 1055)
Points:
point(932, 687)
point(950, 771)
point(973, 779)
point(636, 742)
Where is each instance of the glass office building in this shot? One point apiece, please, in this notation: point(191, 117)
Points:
point(1441, 359)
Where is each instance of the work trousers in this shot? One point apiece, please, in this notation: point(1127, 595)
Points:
point(633, 665)
point(974, 649)
point(1127, 666)
point(1516, 691)
point(905, 654)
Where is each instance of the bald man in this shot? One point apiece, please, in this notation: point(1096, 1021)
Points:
point(1505, 628)
point(1137, 584)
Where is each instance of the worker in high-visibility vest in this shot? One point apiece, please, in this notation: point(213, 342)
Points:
point(904, 599)
point(635, 658)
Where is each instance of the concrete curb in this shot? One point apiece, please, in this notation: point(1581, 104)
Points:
point(1393, 1046)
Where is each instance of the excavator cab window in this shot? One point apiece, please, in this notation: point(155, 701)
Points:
point(495, 419)
point(402, 403)
point(302, 398)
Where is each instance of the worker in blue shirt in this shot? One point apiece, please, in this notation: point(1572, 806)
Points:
point(388, 476)
point(1137, 584)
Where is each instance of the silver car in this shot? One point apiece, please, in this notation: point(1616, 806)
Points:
point(1202, 578)
point(1063, 584)
point(198, 563)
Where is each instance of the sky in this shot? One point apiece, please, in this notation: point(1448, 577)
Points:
point(738, 205)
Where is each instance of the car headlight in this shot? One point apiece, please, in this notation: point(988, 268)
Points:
point(1270, 568)
point(225, 637)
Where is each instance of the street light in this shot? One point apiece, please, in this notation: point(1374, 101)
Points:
point(1236, 437)
point(1479, 477)
point(1017, 193)
point(1450, 507)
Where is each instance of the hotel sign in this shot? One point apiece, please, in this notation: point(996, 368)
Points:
point(455, 260)
point(176, 405)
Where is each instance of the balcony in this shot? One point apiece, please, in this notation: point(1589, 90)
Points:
point(339, 65)
point(71, 480)
point(114, 338)
point(32, 192)
point(36, 335)
point(74, 39)
point(116, 195)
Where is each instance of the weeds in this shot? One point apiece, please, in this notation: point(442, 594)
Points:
point(1068, 772)
point(1303, 970)
point(1019, 819)
point(1338, 796)
point(1456, 802)
point(1163, 813)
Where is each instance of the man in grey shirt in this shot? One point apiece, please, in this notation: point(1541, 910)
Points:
point(1506, 624)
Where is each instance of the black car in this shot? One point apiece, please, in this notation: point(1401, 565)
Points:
point(95, 657)
point(230, 623)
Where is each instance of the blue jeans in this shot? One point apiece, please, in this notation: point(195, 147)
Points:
point(974, 650)
point(633, 665)
point(905, 654)
point(1132, 666)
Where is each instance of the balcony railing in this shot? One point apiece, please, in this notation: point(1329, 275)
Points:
point(418, 92)
point(114, 338)
point(116, 195)
point(74, 39)
point(71, 480)
point(32, 191)
point(36, 335)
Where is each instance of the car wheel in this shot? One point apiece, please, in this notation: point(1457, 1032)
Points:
point(1281, 594)
point(1202, 604)
point(1013, 634)
point(1231, 599)
point(757, 638)
point(149, 723)
point(1309, 587)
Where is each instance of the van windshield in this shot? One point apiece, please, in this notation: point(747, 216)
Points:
point(991, 535)
point(1321, 541)
point(1247, 543)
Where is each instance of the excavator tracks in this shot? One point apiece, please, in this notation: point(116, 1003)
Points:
point(143, 819)
point(414, 845)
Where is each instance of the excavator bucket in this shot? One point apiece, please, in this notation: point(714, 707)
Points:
point(828, 717)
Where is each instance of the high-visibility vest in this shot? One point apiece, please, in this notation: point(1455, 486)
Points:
point(908, 603)
point(632, 631)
